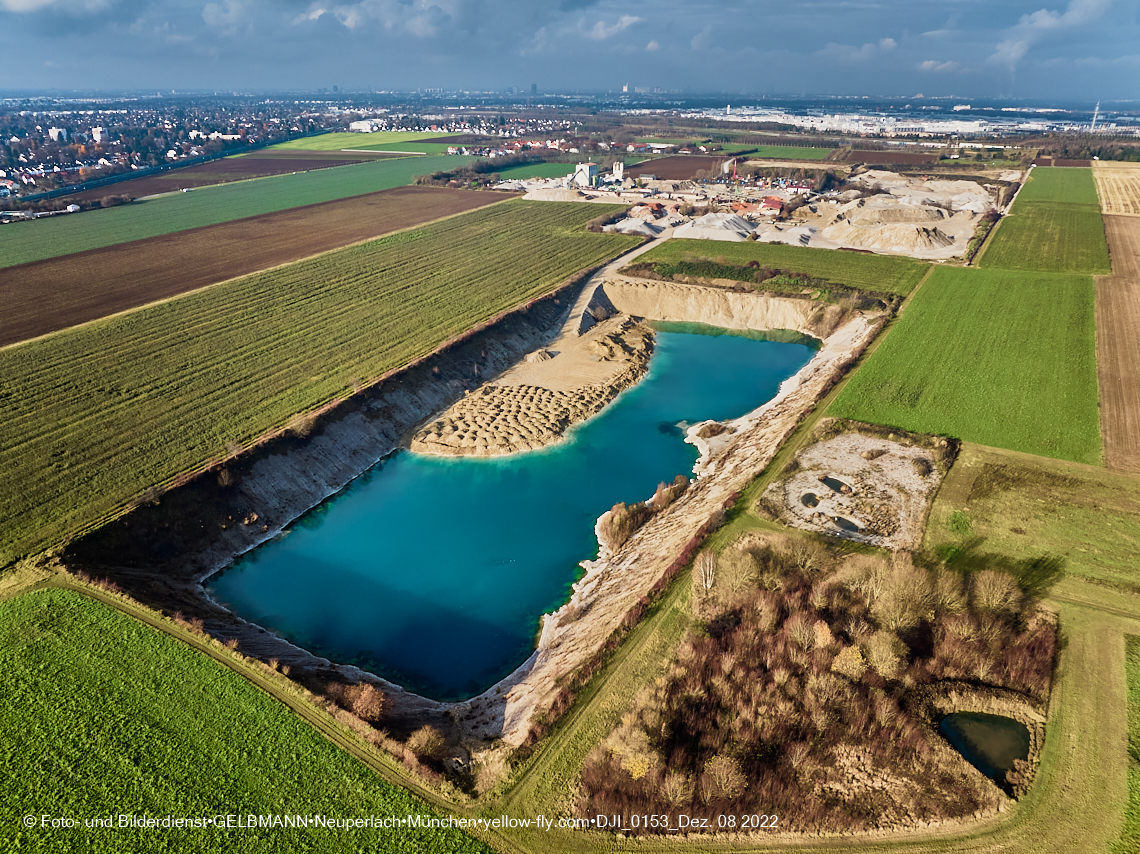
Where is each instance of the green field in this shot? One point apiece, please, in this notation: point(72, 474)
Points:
point(24, 242)
point(103, 716)
point(881, 273)
point(1049, 237)
point(1054, 226)
point(339, 141)
point(1073, 186)
point(784, 152)
point(1023, 505)
point(537, 170)
point(996, 357)
point(97, 414)
point(421, 147)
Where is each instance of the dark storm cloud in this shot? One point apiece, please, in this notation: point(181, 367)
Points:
point(1031, 49)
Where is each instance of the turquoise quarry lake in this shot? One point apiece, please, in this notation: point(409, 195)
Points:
point(434, 572)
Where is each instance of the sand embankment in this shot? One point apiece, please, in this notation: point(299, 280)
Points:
point(716, 306)
point(533, 404)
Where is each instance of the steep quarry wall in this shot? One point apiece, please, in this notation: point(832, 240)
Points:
point(715, 306)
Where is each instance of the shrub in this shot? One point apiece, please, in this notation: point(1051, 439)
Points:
point(850, 663)
point(365, 701)
point(427, 742)
point(620, 523)
point(722, 780)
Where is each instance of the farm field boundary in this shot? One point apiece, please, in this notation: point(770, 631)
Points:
point(1118, 345)
point(880, 273)
point(38, 240)
point(997, 357)
point(98, 414)
point(51, 295)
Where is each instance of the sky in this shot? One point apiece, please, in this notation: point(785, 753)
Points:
point(1080, 50)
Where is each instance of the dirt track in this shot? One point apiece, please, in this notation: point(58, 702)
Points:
point(1118, 345)
point(47, 296)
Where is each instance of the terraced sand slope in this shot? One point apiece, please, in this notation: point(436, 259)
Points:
point(533, 404)
point(1118, 344)
point(1118, 185)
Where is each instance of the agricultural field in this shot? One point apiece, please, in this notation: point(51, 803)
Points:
point(1050, 237)
point(51, 295)
point(1118, 345)
point(880, 273)
point(996, 357)
point(37, 240)
point(408, 147)
point(891, 157)
point(537, 170)
point(1023, 505)
point(680, 167)
point(255, 164)
point(785, 152)
point(1054, 226)
point(341, 141)
point(97, 414)
point(1067, 186)
point(159, 729)
point(1118, 186)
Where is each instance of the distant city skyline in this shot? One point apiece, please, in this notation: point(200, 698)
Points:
point(1083, 49)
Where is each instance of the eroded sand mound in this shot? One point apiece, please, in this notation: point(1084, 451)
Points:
point(717, 226)
point(535, 403)
point(897, 238)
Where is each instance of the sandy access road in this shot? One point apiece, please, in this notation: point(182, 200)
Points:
point(1118, 345)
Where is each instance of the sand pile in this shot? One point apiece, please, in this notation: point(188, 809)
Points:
point(634, 226)
point(554, 194)
point(716, 226)
point(535, 403)
point(923, 219)
point(896, 238)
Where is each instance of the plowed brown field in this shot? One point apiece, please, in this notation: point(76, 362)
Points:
point(1118, 345)
point(258, 164)
point(1119, 189)
point(682, 167)
point(51, 295)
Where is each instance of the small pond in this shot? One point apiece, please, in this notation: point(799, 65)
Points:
point(988, 742)
point(834, 484)
point(434, 572)
point(810, 499)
